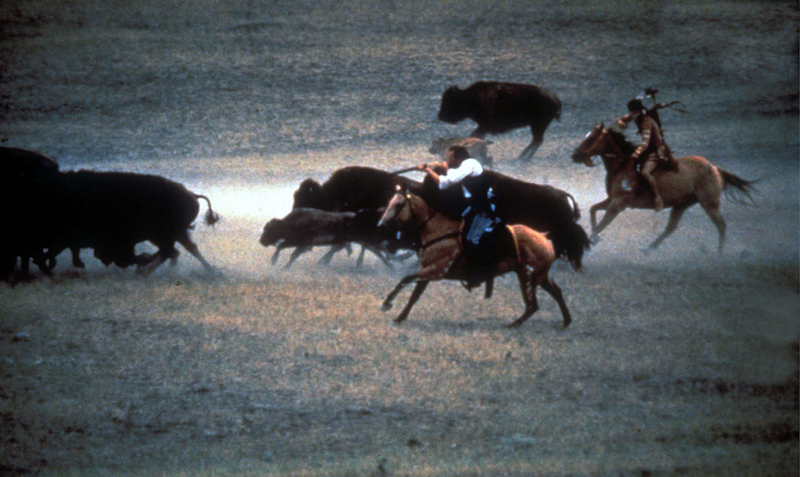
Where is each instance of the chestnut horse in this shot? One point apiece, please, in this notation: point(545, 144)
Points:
point(694, 180)
point(530, 254)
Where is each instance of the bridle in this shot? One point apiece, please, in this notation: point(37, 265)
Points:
point(604, 135)
point(584, 151)
point(410, 203)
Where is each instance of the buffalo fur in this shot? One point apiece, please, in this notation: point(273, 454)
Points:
point(499, 107)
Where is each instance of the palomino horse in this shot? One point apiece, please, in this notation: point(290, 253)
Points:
point(530, 255)
point(694, 180)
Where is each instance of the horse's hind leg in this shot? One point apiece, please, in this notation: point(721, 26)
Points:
point(555, 291)
point(674, 217)
point(716, 217)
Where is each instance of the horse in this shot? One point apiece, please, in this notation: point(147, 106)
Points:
point(530, 254)
point(694, 180)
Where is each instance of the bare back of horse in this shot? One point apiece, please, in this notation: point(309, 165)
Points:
point(530, 255)
point(694, 181)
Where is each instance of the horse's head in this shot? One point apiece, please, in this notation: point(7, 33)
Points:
point(592, 145)
point(399, 210)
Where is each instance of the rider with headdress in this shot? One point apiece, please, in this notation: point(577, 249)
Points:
point(481, 220)
point(652, 151)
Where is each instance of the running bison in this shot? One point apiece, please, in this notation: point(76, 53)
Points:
point(111, 212)
point(306, 228)
point(351, 189)
point(30, 187)
point(501, 107)
point(541, 207)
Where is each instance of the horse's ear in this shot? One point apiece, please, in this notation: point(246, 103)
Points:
point(602, 125)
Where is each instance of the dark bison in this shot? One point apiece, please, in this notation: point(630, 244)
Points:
point(111, 212)
point(351, 189)
point(359, 189)
point(500, 107)
point(30, 188)
point(306, 228)
point(541, 207)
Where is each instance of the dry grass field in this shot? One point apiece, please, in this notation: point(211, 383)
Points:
point(678, 362)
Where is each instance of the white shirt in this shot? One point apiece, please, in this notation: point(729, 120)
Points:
point(468, 168)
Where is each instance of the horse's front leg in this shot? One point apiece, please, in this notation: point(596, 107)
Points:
point(614, 207)
point(418, 290)
point(387, 303)
point(602, 205)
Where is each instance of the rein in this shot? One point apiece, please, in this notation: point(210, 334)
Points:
point(425, 222)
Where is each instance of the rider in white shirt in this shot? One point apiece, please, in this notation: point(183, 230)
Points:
point(480, 214)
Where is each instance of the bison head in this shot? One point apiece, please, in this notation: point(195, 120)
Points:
point(309, 195)
point(273, 233)
point(452, 108)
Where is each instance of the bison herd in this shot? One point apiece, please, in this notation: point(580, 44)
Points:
point(113, 212)
point(110, 212)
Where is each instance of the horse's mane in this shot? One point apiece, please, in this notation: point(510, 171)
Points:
point(619, 139)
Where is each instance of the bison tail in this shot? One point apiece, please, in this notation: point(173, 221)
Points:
point(576, 211)
point(210, 217)
point(572, 242)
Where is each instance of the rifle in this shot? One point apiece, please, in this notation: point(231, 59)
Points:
point(407, 169)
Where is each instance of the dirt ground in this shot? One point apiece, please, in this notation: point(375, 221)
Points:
point(678, 362)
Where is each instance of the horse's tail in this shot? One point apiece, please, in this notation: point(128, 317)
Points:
point(211, 217)
point(741, 187)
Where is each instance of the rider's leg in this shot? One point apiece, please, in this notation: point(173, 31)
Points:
point(647, 172)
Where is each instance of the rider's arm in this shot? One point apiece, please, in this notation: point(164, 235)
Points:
point(470, 167)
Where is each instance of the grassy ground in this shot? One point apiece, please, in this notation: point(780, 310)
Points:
point(300, 374)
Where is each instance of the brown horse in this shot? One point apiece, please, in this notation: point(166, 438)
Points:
point(694, 180)
point(530, 255)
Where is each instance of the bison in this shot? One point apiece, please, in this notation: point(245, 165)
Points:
point(306, 228)
point(499, 107)
point(351, 189)
point(541, 207)
point(31, 182)
point(111, 212)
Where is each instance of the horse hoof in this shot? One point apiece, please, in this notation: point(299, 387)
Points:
point(386, 307)
point(594, 239)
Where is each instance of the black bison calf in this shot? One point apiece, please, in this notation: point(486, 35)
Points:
point(306, 228)
point(501, 107)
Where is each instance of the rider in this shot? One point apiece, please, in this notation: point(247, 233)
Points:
point(481, 220)
point(652, 148)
